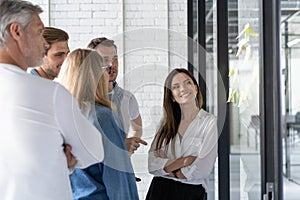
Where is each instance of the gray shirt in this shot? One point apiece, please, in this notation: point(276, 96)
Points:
point(127, 106)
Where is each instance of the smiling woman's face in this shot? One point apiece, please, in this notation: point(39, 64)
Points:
point(183, 89)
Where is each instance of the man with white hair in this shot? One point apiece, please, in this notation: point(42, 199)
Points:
point(38, 117)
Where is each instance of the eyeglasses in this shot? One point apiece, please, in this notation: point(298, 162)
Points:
point(107, 68)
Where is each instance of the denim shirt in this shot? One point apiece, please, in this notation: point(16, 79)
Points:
point(114, 178)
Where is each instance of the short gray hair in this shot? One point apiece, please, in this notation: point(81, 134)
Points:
point(15, 11)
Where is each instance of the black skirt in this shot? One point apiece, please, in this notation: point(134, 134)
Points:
point(168, 189)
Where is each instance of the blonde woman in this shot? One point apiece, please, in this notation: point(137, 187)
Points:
point(84, 75)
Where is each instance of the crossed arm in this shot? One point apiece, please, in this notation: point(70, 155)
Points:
point(177, 164)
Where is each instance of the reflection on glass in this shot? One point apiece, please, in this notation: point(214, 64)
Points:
point(243, 99)
point(290, 51)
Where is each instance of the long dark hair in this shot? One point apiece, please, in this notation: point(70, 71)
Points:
point(172, 113)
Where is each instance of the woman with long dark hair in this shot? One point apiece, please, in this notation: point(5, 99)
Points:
point(184, 150)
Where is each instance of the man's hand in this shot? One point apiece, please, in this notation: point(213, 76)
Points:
point(133, 143)
point(71, 160)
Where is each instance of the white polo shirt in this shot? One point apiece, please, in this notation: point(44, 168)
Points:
point(37, 117)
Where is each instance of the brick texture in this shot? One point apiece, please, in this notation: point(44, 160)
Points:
point(151, 40)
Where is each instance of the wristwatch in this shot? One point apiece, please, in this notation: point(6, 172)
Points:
point(175, 172)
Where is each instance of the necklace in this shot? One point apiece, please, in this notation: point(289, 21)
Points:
point(44, 73)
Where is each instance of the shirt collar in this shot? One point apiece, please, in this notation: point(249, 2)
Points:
point(12, 67)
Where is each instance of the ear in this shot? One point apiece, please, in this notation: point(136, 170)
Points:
point(15, 30)
point(197, 89)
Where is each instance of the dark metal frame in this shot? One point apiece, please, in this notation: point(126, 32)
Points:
point(190, 36)
point(222, 62)
point(271, 131)
point(201, 68)
point(201, 52)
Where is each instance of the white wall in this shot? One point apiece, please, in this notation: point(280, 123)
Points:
point(151, 40)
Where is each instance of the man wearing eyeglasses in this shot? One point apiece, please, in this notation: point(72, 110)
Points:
point(125, 101)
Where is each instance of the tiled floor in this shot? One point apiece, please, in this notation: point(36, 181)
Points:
point(291, 190)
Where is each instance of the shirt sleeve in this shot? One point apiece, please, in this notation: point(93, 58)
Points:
point(204, 163)
point(133, 107)
point(156, 161)
point(76, 130)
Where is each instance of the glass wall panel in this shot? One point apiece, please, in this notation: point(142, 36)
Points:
point(243, 98)
point(290, 51)
point(211, 79)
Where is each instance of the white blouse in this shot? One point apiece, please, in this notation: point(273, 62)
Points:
point(200, 140)
point(37, 117)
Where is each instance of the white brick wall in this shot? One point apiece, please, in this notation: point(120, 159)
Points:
point(151, 40)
